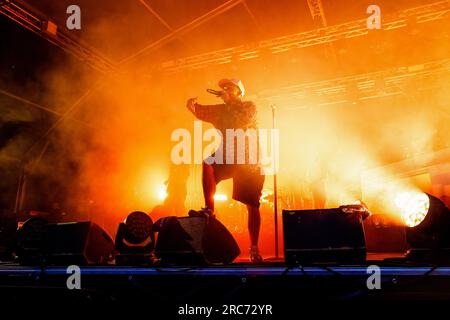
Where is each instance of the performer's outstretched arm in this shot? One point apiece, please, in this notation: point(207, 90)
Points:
point(207, 113)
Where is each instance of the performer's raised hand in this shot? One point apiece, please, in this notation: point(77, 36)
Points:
point(191, 104)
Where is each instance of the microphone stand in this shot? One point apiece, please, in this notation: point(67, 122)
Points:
point(275, 192)
point(275, 189)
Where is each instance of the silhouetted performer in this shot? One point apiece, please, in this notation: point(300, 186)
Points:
point(177, 189)
point(248, 178)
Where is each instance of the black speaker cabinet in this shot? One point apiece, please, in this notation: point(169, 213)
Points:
point(194, 240)
point(323, 236)
point(77, 243)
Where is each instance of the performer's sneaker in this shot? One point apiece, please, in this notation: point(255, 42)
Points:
point(203, 212)
point(255, 257)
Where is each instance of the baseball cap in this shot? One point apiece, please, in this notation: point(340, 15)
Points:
point(236, 82)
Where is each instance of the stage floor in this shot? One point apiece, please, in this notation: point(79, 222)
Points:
point(285, 287)
point(390, 264)
point(237, 270)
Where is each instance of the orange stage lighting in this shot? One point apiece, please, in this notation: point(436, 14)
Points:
point(413, 207)
point(220, 197)
point(162, 193)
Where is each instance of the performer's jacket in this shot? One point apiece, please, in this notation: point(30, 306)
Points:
point(238, 115)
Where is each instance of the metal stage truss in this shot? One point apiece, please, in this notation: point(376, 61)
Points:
point(37, 23)
point(360, 87)
point(329, 34)
point(285, 287)
point(237, 270)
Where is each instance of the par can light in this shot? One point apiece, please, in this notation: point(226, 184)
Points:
point(135, 239)
point(427, 223)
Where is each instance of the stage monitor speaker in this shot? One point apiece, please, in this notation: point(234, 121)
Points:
point(77, 243)
point(324, 236)
point(194, 240)
point(8, 229)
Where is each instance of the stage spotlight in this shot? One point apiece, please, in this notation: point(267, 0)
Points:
point(30, 241)
point(220, 197)
point(427, 222)
point(50, 28)
point(135, 239)
point(413, 207)
point(162, 193)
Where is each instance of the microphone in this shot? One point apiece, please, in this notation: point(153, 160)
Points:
point(214, 92)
